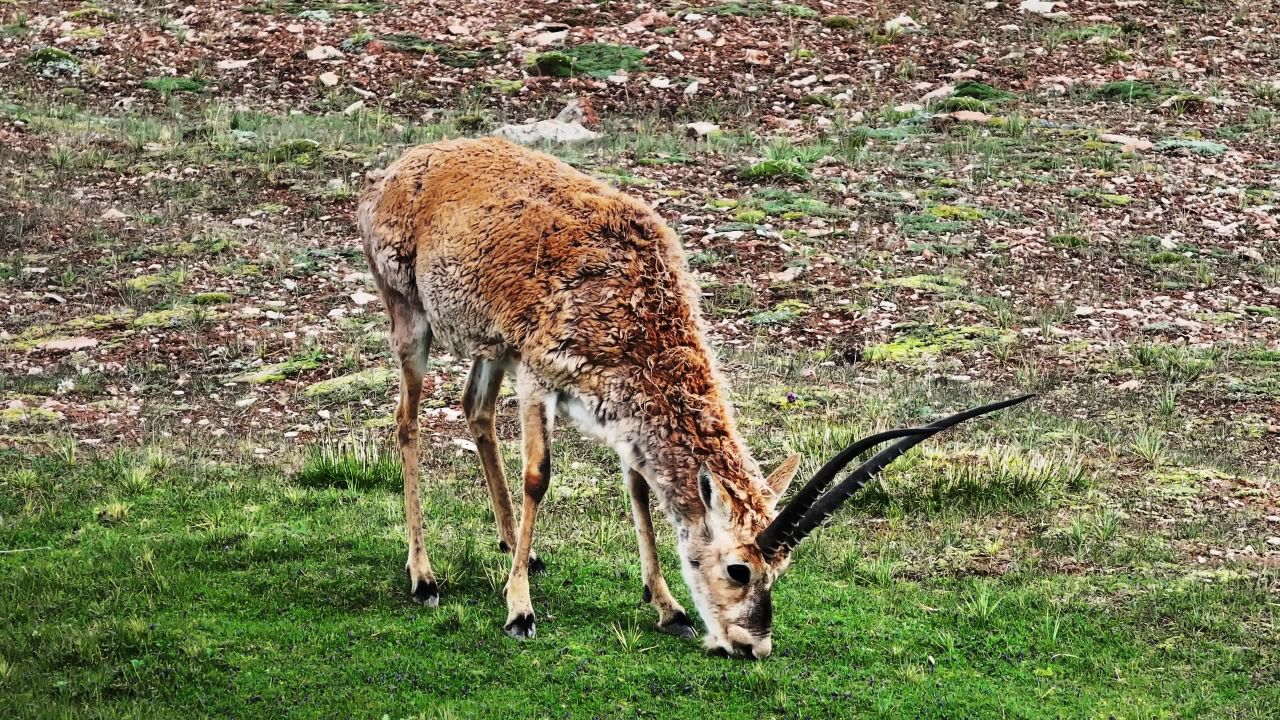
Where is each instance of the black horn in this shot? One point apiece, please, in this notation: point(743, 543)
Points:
point(781, 530)
point(810, 507)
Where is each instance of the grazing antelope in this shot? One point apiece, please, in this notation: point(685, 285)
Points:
point(527, 266)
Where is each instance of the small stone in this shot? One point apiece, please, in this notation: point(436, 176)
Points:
point(550, 37)
point(233, 64)
point(704, 35)
point(545, 130)
point(787, 275)
point(1273, 541)
point(970, 116)
point(1127, 142)
point(324, 52)
point(328, 79)
point(701, 129)
point(753, 56)
point(294, 28)
point(361, 297)
point(1084, 311)
point(650, 19)
point(902, 23)
point(113, 215)
point(937, 94)
point(353, 108)
point(69, 344)
point(662, 83)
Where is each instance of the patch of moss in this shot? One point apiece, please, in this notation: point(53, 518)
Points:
point(1126, 90)
point(353, 386)
point(593, 59)
point(1259, 357)
point(1199, 147)
point(28, 416)
point(839, 22)
point(955, 212)
point(211, 298)
point(169, 85)
point(925, 224)
point(925, 341)
point(783, 312)
point(163, 318)
point(101, 321)
point(51, 56)
point(1114, 200)
point(1068, 241)
point(981, 91)
point(1167, 257)
point(932, 283)
point(750, 216)
point(775, 170)
point(796, 11)
point(955, 103)
point(277, 371)
point(503, 86)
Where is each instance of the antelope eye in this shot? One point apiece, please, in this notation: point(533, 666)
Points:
point(740, 574)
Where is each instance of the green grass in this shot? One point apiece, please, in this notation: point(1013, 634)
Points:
point(155, 587)
point(151, 587)
point(594, 59)
point(169, 85)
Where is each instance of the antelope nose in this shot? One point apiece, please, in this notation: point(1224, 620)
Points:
point(758, 650)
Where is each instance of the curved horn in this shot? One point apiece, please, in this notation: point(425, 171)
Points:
point(782, 527)
point(780, 538)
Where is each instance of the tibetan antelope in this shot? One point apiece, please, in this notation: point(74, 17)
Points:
point(527, 266)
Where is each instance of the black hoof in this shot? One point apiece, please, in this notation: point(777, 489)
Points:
point(680, 626)
point(522, 628)
point(426, 592)
point(537, 567)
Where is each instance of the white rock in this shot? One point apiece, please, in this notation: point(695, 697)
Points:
point(1126, 141)
point(902, 23)
point(551, 37)
point(701, 129)
point(943, 92)
point(113, 215)
point(69, 344)
point(704, 35)
point(546, 130)
point(233, 64)
point(1084, 311)
point(788, 275)
point(353, 108)
point(661, 83)
point(1039, 7)
point(324, 52)
point(328, 79)
point(361, 297)
point(691, 89)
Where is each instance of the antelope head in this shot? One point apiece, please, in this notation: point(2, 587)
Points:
point(732, 558)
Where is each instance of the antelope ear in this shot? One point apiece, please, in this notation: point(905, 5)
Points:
point(780, 478)
point(719, 504)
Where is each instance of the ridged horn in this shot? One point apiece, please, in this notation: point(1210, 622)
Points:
point(811, 508)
